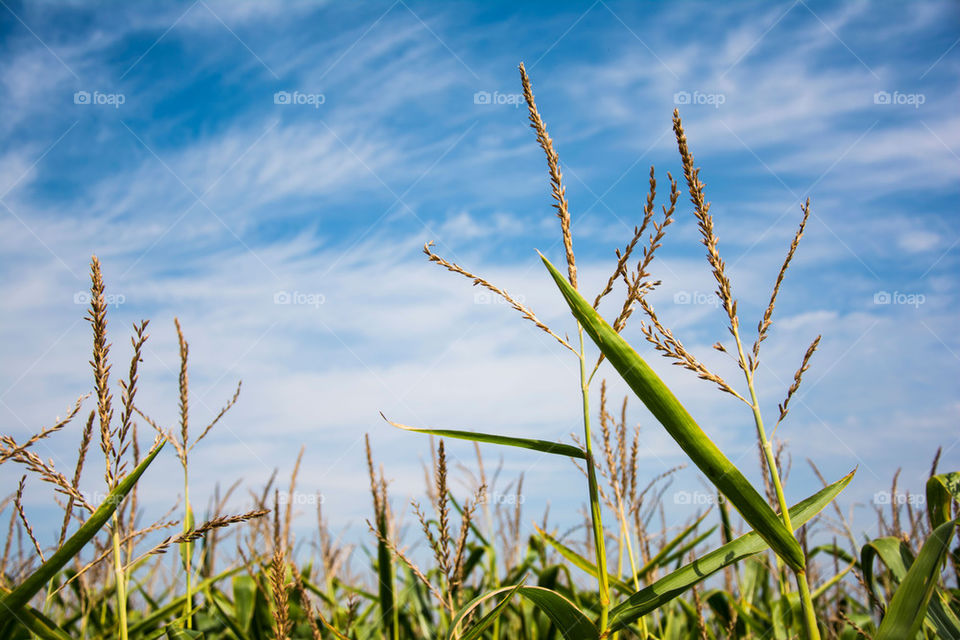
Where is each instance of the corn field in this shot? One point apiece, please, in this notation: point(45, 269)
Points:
point(748, 568)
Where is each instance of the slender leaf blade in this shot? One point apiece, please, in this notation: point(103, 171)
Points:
point(544, 446)
point(385, 575)
point(579, 561)
point(890, 550)
point(908, 607)
point(660, 557)
point(14, 601)
point(665, 589)
point(38, 624)
point(681, 426)
point(570, 621)
point(477, 629)
point(898, 558)
point(941, 489)
point(176, 633)
point(158, 614)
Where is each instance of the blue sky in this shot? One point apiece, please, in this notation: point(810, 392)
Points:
point(161, 138)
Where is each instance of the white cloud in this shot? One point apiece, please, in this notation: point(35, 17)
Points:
point(919, 241)
point(394, 333)
point(465, 226)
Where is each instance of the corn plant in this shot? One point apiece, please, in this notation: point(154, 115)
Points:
point(769, 528)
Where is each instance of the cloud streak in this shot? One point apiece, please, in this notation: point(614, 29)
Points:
point(286, 236)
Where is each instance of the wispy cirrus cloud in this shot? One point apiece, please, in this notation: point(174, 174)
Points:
point(286, 235)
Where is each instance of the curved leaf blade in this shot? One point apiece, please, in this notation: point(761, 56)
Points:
point(941, 489)
point(13, 602)
point(579, 561)
point(159, 614)
point(544, 446)
point(476, 630)
point(661, 556)
point(908, 607)
point(569, 620)
point(890, 550)
point(898, 558)
point(665, 589)
point(681, 426)
point(837, 577)
point(38, 624)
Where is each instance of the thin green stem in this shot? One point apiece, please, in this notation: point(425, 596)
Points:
point(496, 576)
point(595, 514)
point(771, 459)
point(188, 546)
point(121, 579)
point(625, 532)
point(806, 602)
point(809, 616)
point(47, 600)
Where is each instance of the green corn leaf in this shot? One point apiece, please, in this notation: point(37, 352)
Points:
point(329, 627)
point(682, 552)
point(754, 577)
point(753, 618)
point(897, 558)
point(780, 618)
point(174, 633)
point(833, 550)
point(570, 621)
point(681, 426)
point(908, 607)
point(477, 630)
point(580, 562)
point(13, 602)
point(660, 557)
point(665, 589)
point(325, 597)
point(225, 615)
point(38, 624)
point(244, 600)
point(721, 603)
point(822, 589)
point(941, 490)
point(544, 446)
point(894, 554)
point(161, 613)
point(725, 519)
point(385, 574)
point(941, 617)
point(186, 548)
